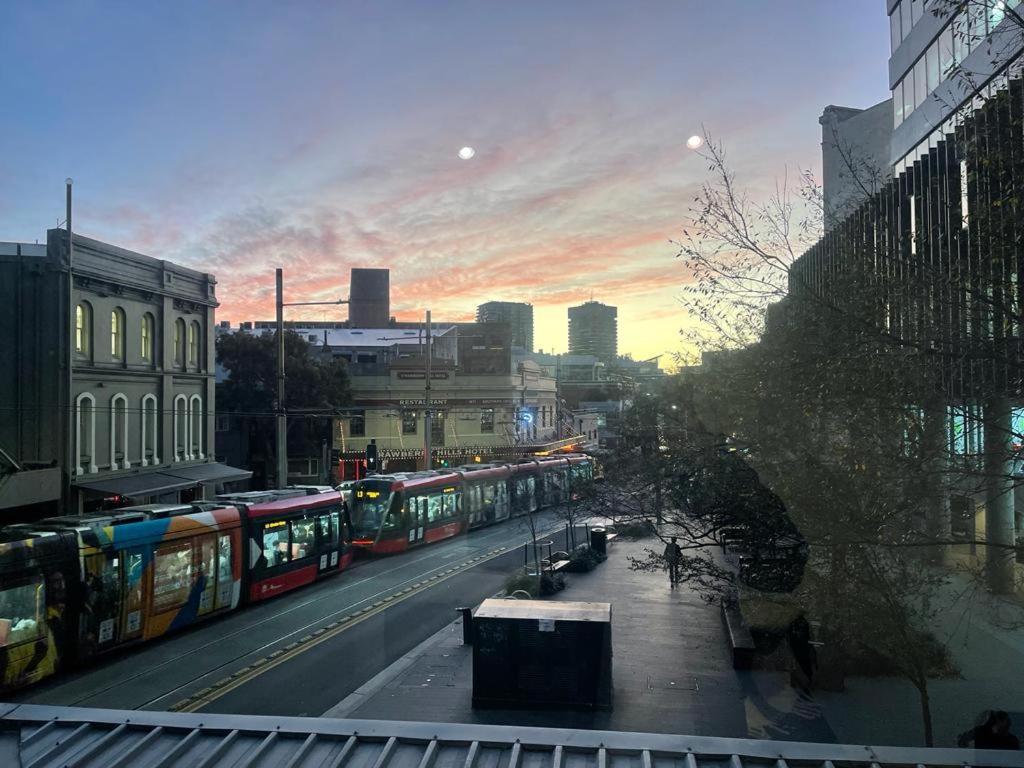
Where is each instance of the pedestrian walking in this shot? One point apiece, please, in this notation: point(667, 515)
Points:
point(673, 554)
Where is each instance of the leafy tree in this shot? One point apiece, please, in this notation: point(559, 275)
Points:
point(316, 387)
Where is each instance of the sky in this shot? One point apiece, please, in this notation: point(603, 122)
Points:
point(236, 137)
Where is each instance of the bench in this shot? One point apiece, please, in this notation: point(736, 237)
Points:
point(611, 537)
point(558, 565)
point(741, 642)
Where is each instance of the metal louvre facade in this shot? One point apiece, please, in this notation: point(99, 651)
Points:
point(934, 259)
point(42, 737)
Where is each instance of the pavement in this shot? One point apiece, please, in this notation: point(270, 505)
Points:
point(671, 671)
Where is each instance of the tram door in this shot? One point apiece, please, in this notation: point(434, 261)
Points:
point(133, 574)
point(417, 516)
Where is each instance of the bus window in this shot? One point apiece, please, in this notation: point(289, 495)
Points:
point(303, 537)
point(326, 533)
point(275, 543)
point(206, 550)
point(434, 507)
point(449, 505)
point(224, 580)
point(22, 612)
point(172, 576)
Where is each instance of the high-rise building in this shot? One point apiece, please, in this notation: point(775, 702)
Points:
point(593, 330)
point(518, 315)
point(369, 298)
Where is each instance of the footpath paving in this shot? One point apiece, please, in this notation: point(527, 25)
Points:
point(986, 641)
point(671, 671)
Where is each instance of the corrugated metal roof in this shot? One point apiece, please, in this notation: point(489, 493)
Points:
point(64, 736)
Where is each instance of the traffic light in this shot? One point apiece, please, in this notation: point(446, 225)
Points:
point(371, 457)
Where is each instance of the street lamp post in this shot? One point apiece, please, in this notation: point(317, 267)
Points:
point(281, 414)
point(426, 400)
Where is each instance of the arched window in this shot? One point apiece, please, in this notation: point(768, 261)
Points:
point(149, 431)
point(83, 328)
point(117, 333)
point(148, 325)
point(119, 432)
point(180, 428)
point(193, 344)
point(179, 343)
point(85, 434)
point(195, 430)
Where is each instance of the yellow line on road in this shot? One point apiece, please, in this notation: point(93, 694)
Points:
point(227, 684)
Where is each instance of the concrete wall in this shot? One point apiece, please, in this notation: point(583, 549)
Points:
point(855, 157)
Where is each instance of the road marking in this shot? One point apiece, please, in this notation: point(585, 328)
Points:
point(242, 676)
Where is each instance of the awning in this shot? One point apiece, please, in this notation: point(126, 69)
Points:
point(142, 484)
point(212, 472)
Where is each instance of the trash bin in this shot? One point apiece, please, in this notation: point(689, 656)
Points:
point(599, 540)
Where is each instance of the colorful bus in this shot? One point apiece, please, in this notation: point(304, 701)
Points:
point(74, 587)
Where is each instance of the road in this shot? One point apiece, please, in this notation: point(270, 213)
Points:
point(304, 652)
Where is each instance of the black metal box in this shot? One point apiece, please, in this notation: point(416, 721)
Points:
point(538, 654)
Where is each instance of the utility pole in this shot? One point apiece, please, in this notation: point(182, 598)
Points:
point(281, 416)
point(72, 412)
point(426, 399)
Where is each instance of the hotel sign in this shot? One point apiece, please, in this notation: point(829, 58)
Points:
point(421, 375)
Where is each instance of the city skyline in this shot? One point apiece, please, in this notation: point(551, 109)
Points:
point(328, 139)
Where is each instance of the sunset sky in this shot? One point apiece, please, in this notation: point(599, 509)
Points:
point(235, 137)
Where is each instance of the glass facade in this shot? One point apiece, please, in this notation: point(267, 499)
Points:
point(939, 244)
point(962, 33)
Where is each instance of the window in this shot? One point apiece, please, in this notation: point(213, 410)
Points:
point(275, 543)
point(224, 574)
point(303, 543)
point(908, 94)
point(83, 329)
point(450, 504)
point(947, 51)
point(920, 83)
point(172, 576)
point(916, 10)
point(193, 344)
point(897, 105)
point(357, 424)
point(996, 13)
point(85, 434)
point(932, 66)
point(437, 428)
point(206, 549)
point(149, 431)
point(195, 430)
point(410, 423)
point(895, 34)
point(146, 337)
point(487, 421)
point(180, 419)
point(117, 333)
point(22, 612)
point(179, 342)
point(119, 432)
point(905, 22)
point(327, 530)
point(435, 508)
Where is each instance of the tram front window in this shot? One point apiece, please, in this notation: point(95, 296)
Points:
point(370, 507)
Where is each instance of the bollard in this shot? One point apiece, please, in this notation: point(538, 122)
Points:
point(467, 625)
